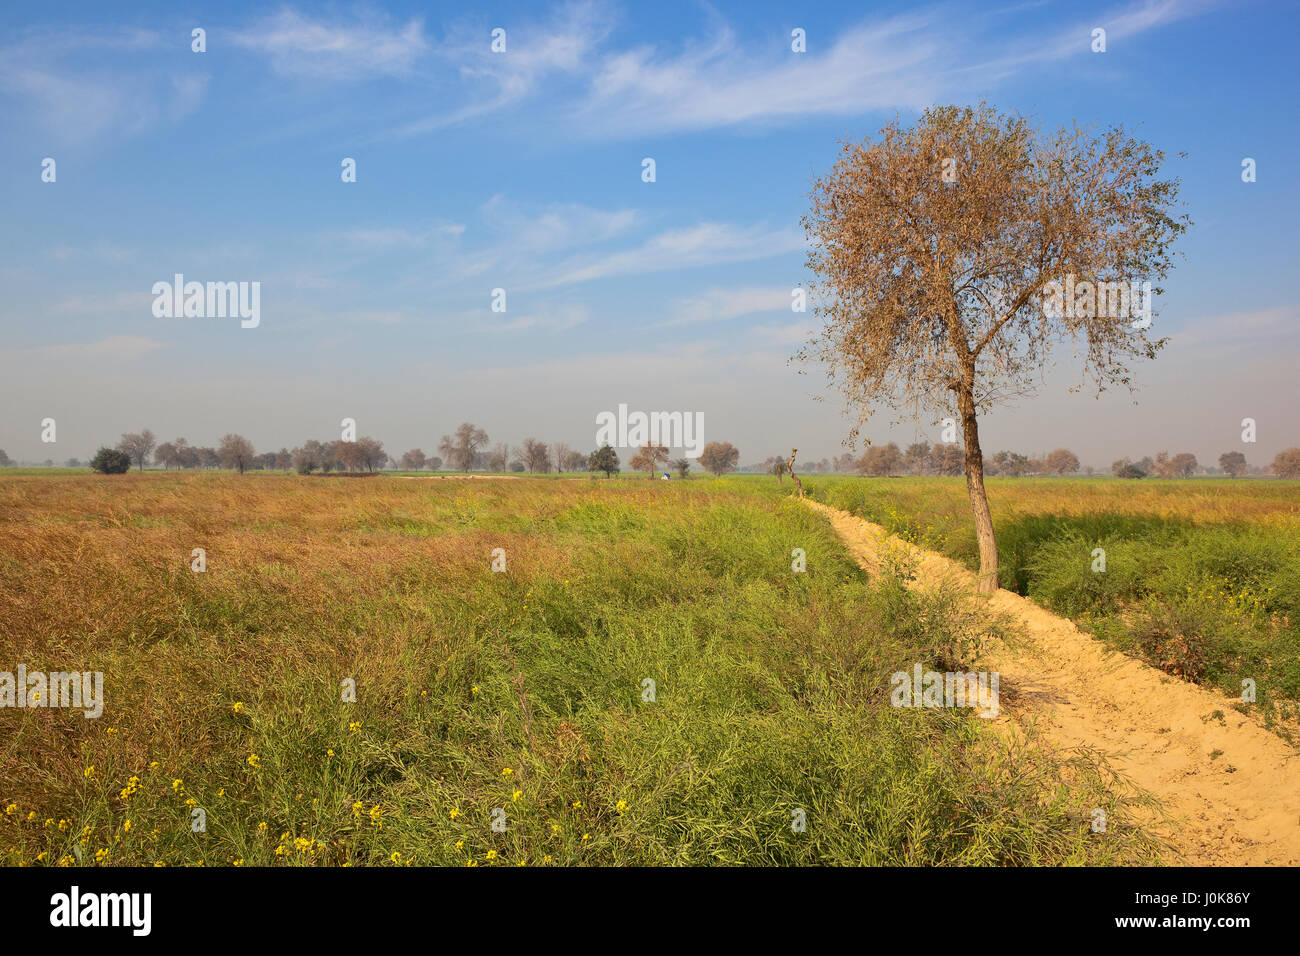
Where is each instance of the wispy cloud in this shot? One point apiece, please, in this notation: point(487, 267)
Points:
point(298, 45)
point(704, 244)
point(716, 305)
point(50, 85)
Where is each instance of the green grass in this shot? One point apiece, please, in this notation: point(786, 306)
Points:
point(479, 691)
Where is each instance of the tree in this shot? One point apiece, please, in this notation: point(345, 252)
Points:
point(370, 453)
point(683, 466)
point(1009, 463)
point(1062, 461)
point(111, 461)
point(498, 459)
point(648, 458)
point(309, 457)
point(536, 456)
point(917, 458)
point(605, 459)
point(1126, 469)
point(414, 460)
point(462, 449)
point(235, 451)
point(1182, 465)
point(138, 446)
point(1287, 463)
point(1233, 464)
point(575, 461)
point(560, 454)
point(775, 466)
point(931, 246)
point(433, 463)
point(5, 461)
point(946, 459)
point(719, 457)
point(881, 460)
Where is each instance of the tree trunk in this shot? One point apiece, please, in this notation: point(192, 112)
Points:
point(979, 501)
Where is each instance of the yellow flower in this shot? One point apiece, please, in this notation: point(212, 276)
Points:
point(159, 863)
point(191, 803)
point(178, 786)
point(507, 772)
point(577, 804)
point(514, 797)
point(474, 689)
point(126, 826)
point(261, 827)
point(88, 772)
point(586, 837)
point(356, 810)
point(239, 707)
point(40, 857)
point(453, 813)
point(330, 752)
point(491, 854)
point(153, 765)
point(101, 855)
point(221, 792)
point(547, 858)
point(396, 857)
point(111, 731)
point(460, 844)
point(11, 809)
point(238, 862)
point(355, 726)
point(621, 806)
point(66, 861)
point(31, 816)
point(254, 761)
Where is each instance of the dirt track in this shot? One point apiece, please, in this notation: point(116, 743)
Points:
point(1238, 807)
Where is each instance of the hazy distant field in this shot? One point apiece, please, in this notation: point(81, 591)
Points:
point(1202, 576)
point(516, 696)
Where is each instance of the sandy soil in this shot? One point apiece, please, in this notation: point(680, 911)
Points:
point(1239, 807)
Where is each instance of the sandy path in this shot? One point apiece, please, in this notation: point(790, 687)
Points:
point(1240, 808)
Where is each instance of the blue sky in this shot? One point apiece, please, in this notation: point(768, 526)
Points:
point(522, 170)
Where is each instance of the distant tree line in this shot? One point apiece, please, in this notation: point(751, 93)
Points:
point(468, 449)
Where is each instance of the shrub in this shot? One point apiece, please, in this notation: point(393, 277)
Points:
point(110, 461)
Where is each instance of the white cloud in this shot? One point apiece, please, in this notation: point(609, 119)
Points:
point(715, 305)
point(299, 46)
point(707, 243)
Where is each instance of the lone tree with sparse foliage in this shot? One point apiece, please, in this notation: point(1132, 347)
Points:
point(719, 457)
point(933, 249)
point(235, 452)
point(649, 458)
